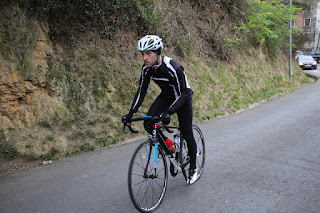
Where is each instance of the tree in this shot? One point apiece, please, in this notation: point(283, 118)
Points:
point(266, 24)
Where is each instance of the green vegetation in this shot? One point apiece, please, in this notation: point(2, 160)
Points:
point(68, 18)
point(51, 138)
point(8, 151)
point(45, 124)
point(87, 147)
point(107, 141)
point(266, 24)
point(51, 154)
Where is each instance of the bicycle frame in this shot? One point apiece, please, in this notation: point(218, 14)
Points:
point(158, 138)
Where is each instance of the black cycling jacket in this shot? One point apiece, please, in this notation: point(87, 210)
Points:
point(171, 78)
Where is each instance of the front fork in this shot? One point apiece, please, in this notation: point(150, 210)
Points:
point(146, 175)
point(154, 140)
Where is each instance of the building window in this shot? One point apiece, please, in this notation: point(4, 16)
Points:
point(293, 23)
point(307, 22)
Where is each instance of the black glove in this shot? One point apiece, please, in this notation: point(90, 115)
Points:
point(165, 117)
point(127, 118)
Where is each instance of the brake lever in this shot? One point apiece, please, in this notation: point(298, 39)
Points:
point(129, 127)
point(132, 130)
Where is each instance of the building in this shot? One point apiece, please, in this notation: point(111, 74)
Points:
point(309, 20)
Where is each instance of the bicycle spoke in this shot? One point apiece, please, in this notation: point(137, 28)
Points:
point(149, 189)
point(144, 157)
point(145, 196)
point(154, 193)
point(138, 183)
point(139, 189)
point(139, 175)
point(159, 185)
point(139, 165)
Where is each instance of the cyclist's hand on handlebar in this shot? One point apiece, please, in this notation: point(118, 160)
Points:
point(165, 117)
point(127, 118)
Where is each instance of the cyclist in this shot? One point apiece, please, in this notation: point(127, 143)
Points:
point(175, 97)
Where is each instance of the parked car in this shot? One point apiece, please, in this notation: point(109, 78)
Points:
point(298, 53)
point(307, 62)
point(316, 56)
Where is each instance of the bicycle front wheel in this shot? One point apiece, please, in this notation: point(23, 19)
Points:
point(147, 184)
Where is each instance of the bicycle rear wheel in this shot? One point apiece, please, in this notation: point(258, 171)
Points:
point(201, 153)
point(146, 184)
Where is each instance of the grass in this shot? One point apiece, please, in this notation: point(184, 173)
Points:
point(45, 124)
point(51, 154)
point(51, 138)
point(70, 152)
point(108, 141)
point(9, 151)
point(87, 147)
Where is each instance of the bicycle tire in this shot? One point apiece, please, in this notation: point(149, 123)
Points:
point(201, 153)
point(147, 190)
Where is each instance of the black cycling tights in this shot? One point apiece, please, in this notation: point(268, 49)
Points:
point(185, 115)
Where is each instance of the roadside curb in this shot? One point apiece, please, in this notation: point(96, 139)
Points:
point(313, 74)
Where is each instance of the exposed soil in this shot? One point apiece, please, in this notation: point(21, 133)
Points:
point(9, 166)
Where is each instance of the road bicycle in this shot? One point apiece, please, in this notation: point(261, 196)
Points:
point(148, 168)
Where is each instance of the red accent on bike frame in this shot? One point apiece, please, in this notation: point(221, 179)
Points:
point(176, 127)
point(157, 126)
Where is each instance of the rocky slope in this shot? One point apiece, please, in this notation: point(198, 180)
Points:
point(60, 97)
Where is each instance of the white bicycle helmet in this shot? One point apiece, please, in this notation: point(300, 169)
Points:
point(150, 42)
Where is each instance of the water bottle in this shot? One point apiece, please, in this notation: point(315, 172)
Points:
point(177, 142)
point(170, 144)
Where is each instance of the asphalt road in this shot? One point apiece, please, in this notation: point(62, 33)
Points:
point(266, 159)
point(314, 73)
